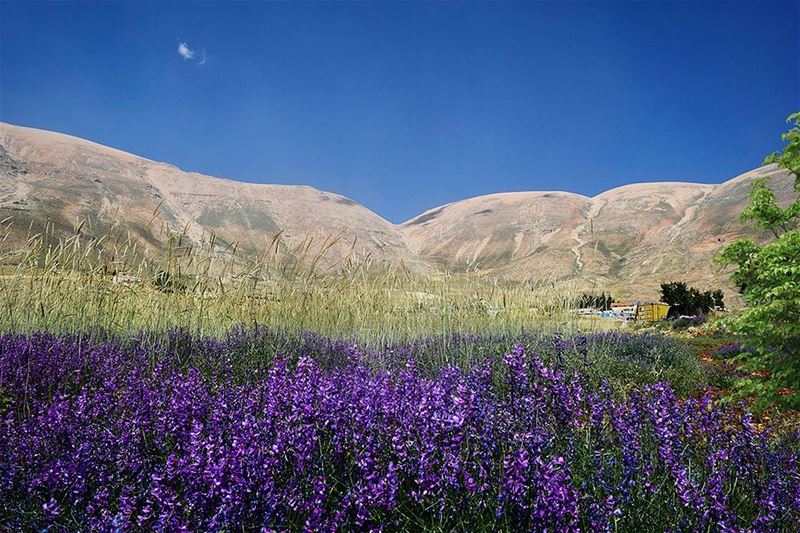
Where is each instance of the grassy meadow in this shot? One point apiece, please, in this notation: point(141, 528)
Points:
point(200, 391)
point(82, 285)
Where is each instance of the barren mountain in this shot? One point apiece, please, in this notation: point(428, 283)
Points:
point(626, 240)
point(55, 177)
point(498, 231)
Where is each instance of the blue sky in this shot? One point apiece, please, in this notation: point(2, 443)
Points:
point(405, 106)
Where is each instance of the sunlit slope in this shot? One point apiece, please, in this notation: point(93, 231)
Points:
point(55, 177)
point(628, 239)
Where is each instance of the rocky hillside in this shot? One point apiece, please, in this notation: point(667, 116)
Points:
point(46, 176)
point(626, 240)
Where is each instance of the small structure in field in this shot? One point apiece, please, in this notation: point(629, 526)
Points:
point(635, 310)
point(623, 310)
point(652, 312)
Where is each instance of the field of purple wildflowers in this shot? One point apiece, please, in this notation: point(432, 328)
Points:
point(263, 431)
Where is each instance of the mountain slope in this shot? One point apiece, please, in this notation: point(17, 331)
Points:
point(626, 240)
point(46, 175)
point(497, 231)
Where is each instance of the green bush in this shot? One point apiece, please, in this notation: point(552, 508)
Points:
point(768, 277)
point(685, 300)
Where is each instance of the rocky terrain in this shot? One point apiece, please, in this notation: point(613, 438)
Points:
point(55, 178)
point(626, 240)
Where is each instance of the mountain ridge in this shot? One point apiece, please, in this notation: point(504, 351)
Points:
point(570, 193)
point(633, 234)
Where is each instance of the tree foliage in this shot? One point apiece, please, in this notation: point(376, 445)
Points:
point(768, 277)
point(602, 302)
point(685, 300)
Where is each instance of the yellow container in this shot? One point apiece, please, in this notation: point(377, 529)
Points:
point(652, 312)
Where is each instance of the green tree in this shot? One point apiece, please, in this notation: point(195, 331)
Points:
point(768, 276)
point(685, 300)
point(601, 302)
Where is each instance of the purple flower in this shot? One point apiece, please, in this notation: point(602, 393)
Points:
point(259, 431)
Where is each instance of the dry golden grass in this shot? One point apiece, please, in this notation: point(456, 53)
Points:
point(86, 284)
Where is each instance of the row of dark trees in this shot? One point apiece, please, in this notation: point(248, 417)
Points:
point(601, 302)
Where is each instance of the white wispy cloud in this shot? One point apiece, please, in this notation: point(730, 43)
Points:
point(189, 54)
point(185, 52)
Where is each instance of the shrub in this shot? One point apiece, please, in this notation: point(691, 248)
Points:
point(768, 277)
point(685, 300)
point(729, 350)
point(698, 320)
